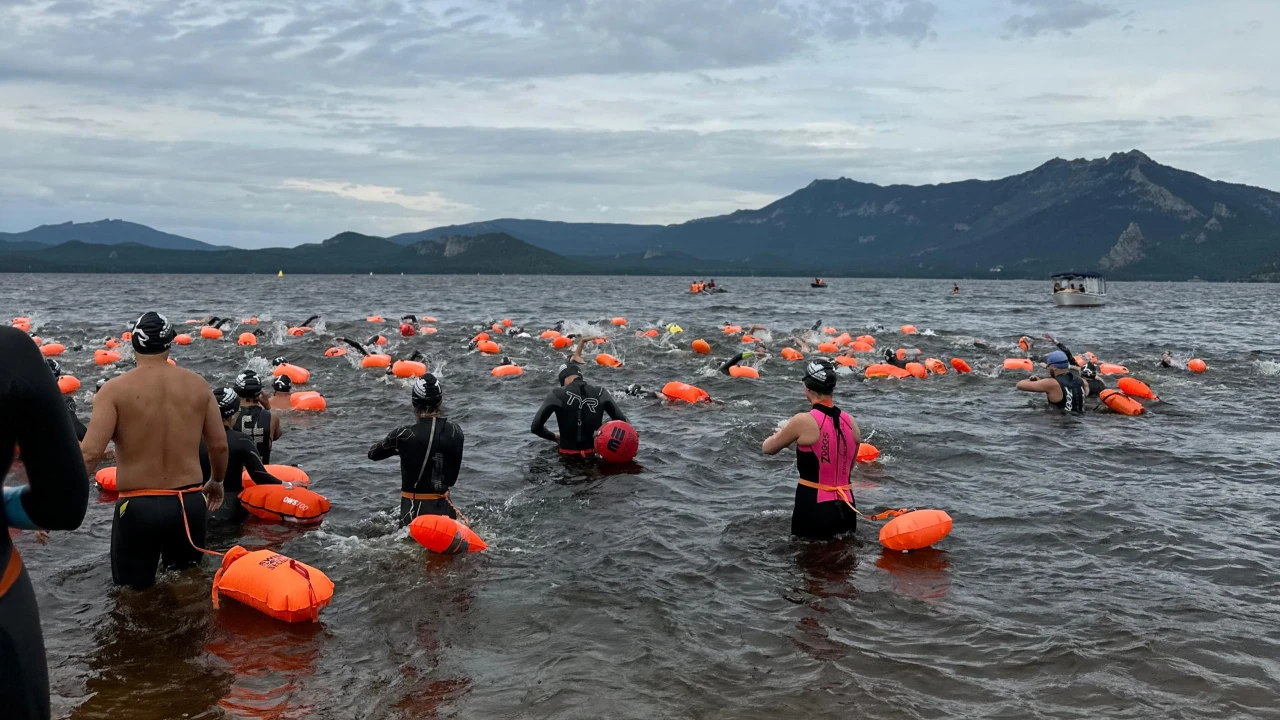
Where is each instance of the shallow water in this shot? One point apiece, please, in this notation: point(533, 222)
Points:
point(1100, 566)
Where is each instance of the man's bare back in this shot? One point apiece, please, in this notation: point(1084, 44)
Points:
point(157, 414)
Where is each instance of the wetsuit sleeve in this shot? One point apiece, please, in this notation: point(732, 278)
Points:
point(1071, 358)
point(242, 447)
point(610, 407)
point(36, 418)
point(539, 425)
point(453, 458)
point(76, 423)
point(390, 445)
point(724, 367)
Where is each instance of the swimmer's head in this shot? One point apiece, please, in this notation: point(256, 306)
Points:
point(248, 384)
point(820, 377)
point(98, 385)
point(568, 371)
point(279, 361)
point(228, 402)
point(282, 384)
point(54, 367)
point(152, 334)
point(427, 394)
point(1058, 360)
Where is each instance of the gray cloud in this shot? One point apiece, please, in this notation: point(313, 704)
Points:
point(1060, 16)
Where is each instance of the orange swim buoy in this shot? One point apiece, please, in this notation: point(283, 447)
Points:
point(599, 341)
point(844, 339)
point(1113, 369)
point(619, 321)
point(917, 370)
point(249, 321)
point(429, 319)
point(885, 370)
point(549, 334)
point(276, 503)
point(846, 361)
point(1121, 403)
point(828, 347)
point(374, 319)
point(561, 343)
point(298, 375)
point(379, 340)
point(868, 339)
point(651, 333)
point(935, 366)
point(702, 347)
point(859, 346)
point(335, 352)
point(684, 391)
point(112, 344)
point(442, 534)
point(496, 328)
point(22, 324)
point(867, 453)
point(739, 371)
point(1019, 364)
point(506, 322)
point(210, 333)
point(489, 347)
point(909, 330)
point(1197, 366)
point(106, 357)
point(427, 331)
point(52, 349)
point(408, 369)
point(247, 339)
point(479, 338)
point(298, 331)
point(830, 331)
point(608, 360)
point(732, 329)
point(915, 530)
point(284, 473)
point(375, 361)
point(309, 401)
point(791, 354)
point(1134, 387)
point(273, 584)
point(105, 479)
point(960, 365)
point(1024, 342)
point(126, 336)
point(508, 371)
point(182, 339)
point(68, 384)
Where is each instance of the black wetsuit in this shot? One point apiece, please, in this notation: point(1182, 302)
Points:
point(80, 429)
point(420, 475)
point(241, 456)
point(579, 409)
point(255, 422)
point(35, 418)
point(1072, 393)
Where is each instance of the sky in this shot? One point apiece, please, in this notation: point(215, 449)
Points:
point(275, 122)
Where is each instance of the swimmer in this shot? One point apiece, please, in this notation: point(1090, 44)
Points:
point(281, 392)
point(955, 289)
point(409, 325)
point(430, 453)
point(54, 498)
point(579, 409)
point(1166, 359)
point(156, 414)
point(70, 402)
point(891, 358)
point(736, 359)
point(242, 457)
point(1062, 388)
point(258, 422)
point(1093, 385)
point(826, 440)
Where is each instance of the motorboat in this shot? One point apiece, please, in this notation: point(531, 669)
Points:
point(1079, 290)
point(817, 284)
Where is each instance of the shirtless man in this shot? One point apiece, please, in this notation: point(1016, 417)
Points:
point(157, 415)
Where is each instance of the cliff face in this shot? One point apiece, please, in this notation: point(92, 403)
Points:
point(1128, 249)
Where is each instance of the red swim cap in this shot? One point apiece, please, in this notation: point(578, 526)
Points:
point(408, 330)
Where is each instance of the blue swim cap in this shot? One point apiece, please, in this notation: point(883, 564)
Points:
point(1058, 359)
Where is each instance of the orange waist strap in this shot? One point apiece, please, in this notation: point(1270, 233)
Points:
point(435, 496)
point(578, 453)
point(11, 571)
point(886, 515)
point(148, 492)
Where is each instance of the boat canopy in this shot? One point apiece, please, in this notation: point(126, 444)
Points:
point(1076, 275)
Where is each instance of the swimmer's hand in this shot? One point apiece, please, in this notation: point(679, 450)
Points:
point(42, 537)
point(287, 485)
point(1049, 337)
point(557, 437)
point(1034, 378)
point(213, 494)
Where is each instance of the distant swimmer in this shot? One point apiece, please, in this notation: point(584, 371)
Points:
point(1062, 388)
point(242, 457)
point(826, 441)
point(734, 361)
point(891, 358)
point(409, 325)
point(258, 422)
point(430, 453)
point(156, 414)
point(281, 392)
point(1166, 359)
point(579, 409)
point(54, 498)
point(955, 289)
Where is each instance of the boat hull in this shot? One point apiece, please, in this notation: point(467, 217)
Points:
point(1079, 299)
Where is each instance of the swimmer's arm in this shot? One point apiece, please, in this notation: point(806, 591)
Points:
point(276, 431)
point(577, 349)
point(257, 471)
point(804, 346)
point(539, 425)
point(390, 445)
point(57, 492)
point(102, 427)
point(784, 438)
point(215, 439)
point(610, 407)
point(1040, 385)
point(453, 460)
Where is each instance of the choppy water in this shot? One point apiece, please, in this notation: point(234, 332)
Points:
point(1100, 566)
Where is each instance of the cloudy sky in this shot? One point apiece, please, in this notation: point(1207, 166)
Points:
point(274, 122)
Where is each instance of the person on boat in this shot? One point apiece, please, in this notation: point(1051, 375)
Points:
point(819, 282)
point(281, 392)
point(242, 457)
point(826, 440)
point(55, 498)
point(1057, 287)
point(157, 414)
point(579, 409)
point(430, 452)
point(258, 422)
point(1062, 388)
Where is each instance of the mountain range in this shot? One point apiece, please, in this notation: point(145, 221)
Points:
point(1125, 215)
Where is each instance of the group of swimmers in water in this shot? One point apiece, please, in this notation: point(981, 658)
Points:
point(181, 450)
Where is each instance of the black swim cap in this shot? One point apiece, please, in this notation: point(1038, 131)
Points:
point(568, 370)
point(152, 334)
point(228, 402)
point(282, 383)
point(820, 376)
point(279, 361)
point(54, 367)
point(248, 384)
point(427, 393)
